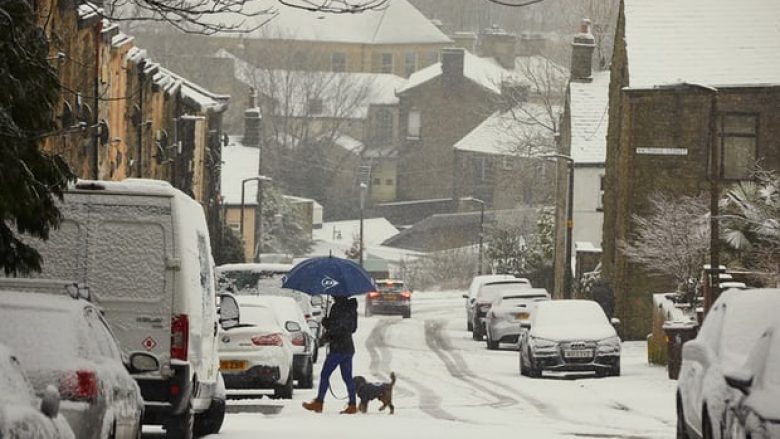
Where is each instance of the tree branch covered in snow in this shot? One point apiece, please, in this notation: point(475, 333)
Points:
point(672, 239)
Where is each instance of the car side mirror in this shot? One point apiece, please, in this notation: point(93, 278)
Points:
point(50, 403)
point(695, 350)
point(141, 362)
point(291, 326)
point(228, 311)
point(740, 380)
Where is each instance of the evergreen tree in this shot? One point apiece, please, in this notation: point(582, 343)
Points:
point(30, 178)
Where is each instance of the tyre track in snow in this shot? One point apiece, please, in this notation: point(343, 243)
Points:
point(381, 357)
point(458, 368)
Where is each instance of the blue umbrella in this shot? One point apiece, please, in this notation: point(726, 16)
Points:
point(329, 275)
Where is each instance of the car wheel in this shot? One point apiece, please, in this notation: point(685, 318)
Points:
point(210, 421)
point(285, 391)
point(615, 370)
point(492, 345)
point(307, 378)
point(682, 431)
point(523, 370)
point(180, 426)
point(476, 333)
point(407, 314)
point(469, 326)
point(706, 426)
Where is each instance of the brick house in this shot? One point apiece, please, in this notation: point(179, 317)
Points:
point(658, 132)
point(583, 137)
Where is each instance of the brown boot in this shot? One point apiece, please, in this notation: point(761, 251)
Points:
point(350, 410)
point(314, 405)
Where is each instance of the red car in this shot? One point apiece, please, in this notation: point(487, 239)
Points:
point(391, 297)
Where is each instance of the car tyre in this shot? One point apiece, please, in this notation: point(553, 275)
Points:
point(615, 370)
point(469, 326)
point(491, 344)
point(476, 333)
point(706, 426)
point(285, 391)
point(407, 314)
point(682, 431)
point(307, 378)
point(210, 421)
point(181, 426)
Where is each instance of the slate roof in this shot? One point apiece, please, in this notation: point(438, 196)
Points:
point(485, 72)
point(589, 104)
point(398, 23)
point(718, 43)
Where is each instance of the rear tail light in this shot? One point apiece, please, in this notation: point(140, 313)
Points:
point(81, 385)
point(373, 295)
point(299, 339)
point(307, 317)
point(406, 295)
point(180, 334)
point(267, 340)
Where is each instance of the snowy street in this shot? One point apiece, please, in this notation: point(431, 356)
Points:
point(450, 384)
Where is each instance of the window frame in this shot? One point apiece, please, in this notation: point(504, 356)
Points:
point(342, 62)
point(407, 57)
point(383, 66)
point(410, 135)
point(724, 135)
point(381, 128)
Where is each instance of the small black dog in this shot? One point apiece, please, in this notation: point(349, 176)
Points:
point(382, 391)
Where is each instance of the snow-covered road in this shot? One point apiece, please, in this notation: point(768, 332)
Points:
point(449, 385)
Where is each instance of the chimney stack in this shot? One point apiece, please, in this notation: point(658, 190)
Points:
point(499, 44)
point(452, 62)
point(252, 120)
point(582, 53)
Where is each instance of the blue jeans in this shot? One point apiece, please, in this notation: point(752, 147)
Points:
point(344, 362)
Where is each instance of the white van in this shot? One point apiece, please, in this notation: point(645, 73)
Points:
point(141, 247)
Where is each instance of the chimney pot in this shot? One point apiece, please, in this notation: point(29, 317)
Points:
point(582, 53)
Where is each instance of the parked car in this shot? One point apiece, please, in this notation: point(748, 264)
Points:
point(507, 312)
point(142, 248)
point(66, 340)
point(756, 413)
point(303, 342)
point(477, 282)
point(484, 297)
point(732, 326)
point(21, 414)
point(569, 335)
point(256, 353)
point(391, 297)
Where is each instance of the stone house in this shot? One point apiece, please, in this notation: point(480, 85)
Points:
point(583, 137)
point(718, 66)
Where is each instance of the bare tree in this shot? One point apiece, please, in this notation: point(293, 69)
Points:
point(672, 239)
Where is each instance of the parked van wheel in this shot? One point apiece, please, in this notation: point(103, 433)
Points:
point(180, 426)
point(210, 421)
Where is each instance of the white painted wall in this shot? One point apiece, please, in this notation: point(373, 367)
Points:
point(588, 220)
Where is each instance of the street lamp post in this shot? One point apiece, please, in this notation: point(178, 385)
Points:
point(258, 179)
point(567, 287)
point(481, 230)
point(363, 188)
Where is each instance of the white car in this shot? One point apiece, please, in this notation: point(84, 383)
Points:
point(508, 311)
point(733, 325)
point(21, 415)
point(484, 297)
point(257, 354)
point(303, 342)
point(569, 335)
point(477, 282)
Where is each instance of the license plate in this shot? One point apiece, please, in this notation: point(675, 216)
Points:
point(581, 353)
point(390, 297)
point(232, 365)
point(522, 316)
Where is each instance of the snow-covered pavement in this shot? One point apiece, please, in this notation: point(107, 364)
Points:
point(451, 386)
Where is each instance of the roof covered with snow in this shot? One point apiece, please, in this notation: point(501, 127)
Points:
point(485, 72)
point(375, 231)
point(589, 103)
point(711, 42)
point(397, 23)
point(343, 95)
point(523, 131)
point(172, 83)
point(239, 162)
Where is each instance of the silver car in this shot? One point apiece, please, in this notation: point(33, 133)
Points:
point(21, 415)
point(65, 340)
point(508, 311)
point(484, 297)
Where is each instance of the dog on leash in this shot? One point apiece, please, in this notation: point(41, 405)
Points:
point(382, 391)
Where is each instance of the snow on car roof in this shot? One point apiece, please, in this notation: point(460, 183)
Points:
point(285, 308)
point(257, 267)
point(748, 314)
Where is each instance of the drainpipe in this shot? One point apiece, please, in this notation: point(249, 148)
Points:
point(96, 93)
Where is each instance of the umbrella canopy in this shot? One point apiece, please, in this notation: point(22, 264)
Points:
point(329, 275)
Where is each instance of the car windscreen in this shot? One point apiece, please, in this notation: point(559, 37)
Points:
point(391, 288)
point(488, 292)
point(521, 300)
point(563, 313)
point(41, 337)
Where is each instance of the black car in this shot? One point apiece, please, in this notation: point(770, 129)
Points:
point(391, 297)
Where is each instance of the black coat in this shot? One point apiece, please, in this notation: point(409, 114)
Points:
point(339, 326)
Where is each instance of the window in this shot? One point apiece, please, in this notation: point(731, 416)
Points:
point(338, 62)
point(410, 63)
point(389, 181)
point(386, 65)
point(506, 162)
point(377, 181)
point(384, 127)
point(600, 201)
point(413, 127)
point(739, 144)
point(315, 106)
